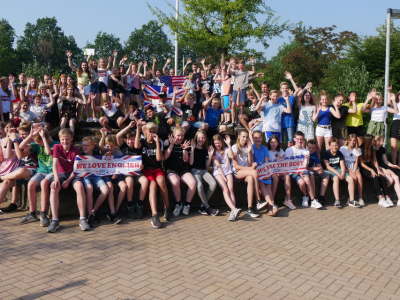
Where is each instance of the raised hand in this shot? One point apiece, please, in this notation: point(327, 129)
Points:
point(110, 59)
point(92, 95)
point(189, 61)
point(288, 75)
point(251, 85)
point(68, 53)
point(352, 97)
point(110, 92)
point(192, 144)
point(54, 80)
point(222, 66)
point(34, 129)
point(41, 132)
point(373, 93)
point(249, 148)
point(132, 124)
point(227, 140)
point(389, 89)
point(227, 62)
point(115, 53)
point(176, 90)
point(319, 106)
point(252, 60)
point(154, 60)
point(185, 145)
point(171, 139)
point(48, 91)
point(210, 151)
point(308, 86)
point(260, 75)
point(168, 60)
point(145, 64)
point(103, 131)
point(232, 60)
point(140, 64)
point(203, 60)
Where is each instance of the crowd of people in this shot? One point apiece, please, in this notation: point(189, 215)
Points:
point(214, 100)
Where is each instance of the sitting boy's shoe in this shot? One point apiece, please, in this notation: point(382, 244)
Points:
point(167, 214)
point(354, 203)
point(211, 211)
point(261, 203)
point(84, 225)
point(44, 220)
point(305, 201)
point(237, 212)
point(315, 204)
point(90, 220)
point(131, 212)
point(177, 210)
point(155, 221)
point(186, 209)
point(250, 211)
point(10, 208)
point(337, 204)
point(232, 216)
point(321, 200)
point(96, 217)
point(54, 225)
point(28, 218)
point(113, 217)
point(203, 210)
point(139, 211)
point(361, 202)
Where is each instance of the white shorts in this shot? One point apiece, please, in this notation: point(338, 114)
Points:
point(86, 90)
point(325, 132)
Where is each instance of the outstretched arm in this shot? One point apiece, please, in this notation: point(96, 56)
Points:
point(69, 55)
point(165, 67)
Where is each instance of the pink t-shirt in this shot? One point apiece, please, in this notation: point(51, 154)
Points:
point(65, 160)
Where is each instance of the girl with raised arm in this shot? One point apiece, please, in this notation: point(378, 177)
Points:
point(223, 172)
point(68, 110)
point(323, 115)
point(394, 100)
point(307, 108)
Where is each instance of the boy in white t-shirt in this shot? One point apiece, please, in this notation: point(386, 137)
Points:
point(302, 179)
point(113, 115)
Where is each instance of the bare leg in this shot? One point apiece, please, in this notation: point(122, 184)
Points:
point(121, 194)
point(32, 195)
point(310, 189)
point(129, 188)
point(4, 187)
point(163, 189)
point(80, 198)
point(351, 187)
point(54, 202)
point(359, 184)
point(153, 197)
point(72, 124)
point(225, 190)
point(189, 180)
point(103, 194)
point(111, 196)
point(44, 194)
point(89, 198)
point(336, 187)
point(15, 194)
point(393, 147)
point(175, 181)
point(144, 185)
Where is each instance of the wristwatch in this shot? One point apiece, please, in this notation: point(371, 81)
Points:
point(16, 140)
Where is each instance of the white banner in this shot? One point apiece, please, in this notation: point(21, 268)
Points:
point(107, 165)
point(294, 164)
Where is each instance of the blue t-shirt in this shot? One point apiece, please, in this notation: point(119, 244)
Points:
point(259, 156)
point(287, 119)
point(272, 117)
point(313, 160)
point(212, 116)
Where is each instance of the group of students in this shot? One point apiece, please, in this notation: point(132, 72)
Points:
point(214, 100)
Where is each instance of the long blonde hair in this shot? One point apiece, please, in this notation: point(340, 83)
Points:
point(351, 136)
point(238, 142)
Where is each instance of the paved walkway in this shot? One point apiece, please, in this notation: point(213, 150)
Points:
point(304, 254)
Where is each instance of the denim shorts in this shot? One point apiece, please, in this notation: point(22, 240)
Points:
point(22, 181)
point(243, 96)
point(94, 87)
point(194, 126)
point(297, 177)
point(115, 181)
point(289, 132)
point(339, 171)
point(323, 175)
point(97, 182)
point(38, 177)
point(63, 177)
point(127, 93)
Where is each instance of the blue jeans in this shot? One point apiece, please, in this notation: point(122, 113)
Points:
point(194, 126)
point(289, 132)
point(242, 96)
point(94, 87)
point(97, 182)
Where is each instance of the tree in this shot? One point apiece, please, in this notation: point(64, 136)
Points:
point(222, 27)
point(317, 50)
point(45, 43)
point(8, 55)
point(104, 44)
point(147, 42)
point(371, 51)
point(34, 69)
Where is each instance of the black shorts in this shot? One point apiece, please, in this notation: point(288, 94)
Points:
point(134, 91)
point(180, 174)
point(112, 123)
point(6, 116)
point(102, 87)
point(395, 129)
point(235, 179)
point(358, 131)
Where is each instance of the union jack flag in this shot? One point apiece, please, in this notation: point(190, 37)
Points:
point(171, 81)
point(152, 92)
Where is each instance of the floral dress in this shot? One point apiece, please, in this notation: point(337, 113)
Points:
point(68, 109)
point(305, 123)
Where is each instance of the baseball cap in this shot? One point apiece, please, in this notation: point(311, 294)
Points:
point(162, 94)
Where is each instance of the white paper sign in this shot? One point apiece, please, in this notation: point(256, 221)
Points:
point(89, 51)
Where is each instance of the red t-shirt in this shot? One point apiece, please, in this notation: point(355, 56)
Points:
point(65, 160)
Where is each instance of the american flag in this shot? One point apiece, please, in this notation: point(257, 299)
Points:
point(171, 81)
point(152, 92)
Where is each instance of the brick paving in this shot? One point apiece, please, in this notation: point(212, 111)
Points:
point(304, 254)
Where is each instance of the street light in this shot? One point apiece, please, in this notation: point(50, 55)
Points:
point(176, 39)
point(391, 14)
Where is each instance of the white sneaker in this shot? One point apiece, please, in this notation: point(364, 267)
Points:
point(89, 120)
point(315, 204)
point(305, 201)
point(186, 209)
point(177, 210)
point(389, 201)
point(95, 120)
point(383, 203)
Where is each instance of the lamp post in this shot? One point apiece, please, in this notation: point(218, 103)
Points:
point(176, 40)
point(391, 14)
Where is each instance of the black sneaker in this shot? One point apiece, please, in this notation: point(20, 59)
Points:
point(10, 208)
point(96, 218)
point(321, 200)
point(337, 204)
point(131, 212)
point(54, 225)
point(90, 220)
point(202, 210)
point(44, 220)
point(29, 218)
point(261, 203)
point(113, 217)
point(167, 214)
point(251, 212)
point(212, 211)
point(155, 221)
point(139, 211)
point(354, 203)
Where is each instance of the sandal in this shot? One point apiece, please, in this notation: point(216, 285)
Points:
point(273, 210)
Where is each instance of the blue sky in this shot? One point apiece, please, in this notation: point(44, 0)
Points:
point(83, 19)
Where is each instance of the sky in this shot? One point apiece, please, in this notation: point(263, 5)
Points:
point(84, 19)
